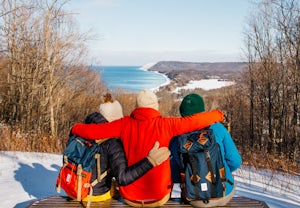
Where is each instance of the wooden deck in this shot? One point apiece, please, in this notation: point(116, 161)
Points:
point(63, 202)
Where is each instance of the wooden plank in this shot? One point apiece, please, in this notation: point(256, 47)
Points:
point(63, 202)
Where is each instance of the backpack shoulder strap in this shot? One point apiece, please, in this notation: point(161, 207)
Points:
point(98, 179)
point(103, 175)
point(79, 171)
point(99, 175)
point(195, 178)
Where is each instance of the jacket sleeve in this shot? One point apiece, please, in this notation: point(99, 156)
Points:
point(232, 156)
point(231, 153)
point(98, 131)
point(196, 121)
point(118, 162)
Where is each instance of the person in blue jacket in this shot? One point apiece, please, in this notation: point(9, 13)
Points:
point(191, 104)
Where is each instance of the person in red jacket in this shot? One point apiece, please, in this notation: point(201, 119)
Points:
point(138, 132)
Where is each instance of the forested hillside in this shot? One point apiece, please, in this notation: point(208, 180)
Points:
point(168, 66)
point(183, 72)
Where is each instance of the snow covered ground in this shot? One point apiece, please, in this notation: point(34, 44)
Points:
point(205, 84)
point(28, 176)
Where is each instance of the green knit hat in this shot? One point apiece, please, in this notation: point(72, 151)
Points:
point(191, 104)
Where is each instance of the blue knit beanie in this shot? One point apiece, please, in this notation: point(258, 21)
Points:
point(191, 104)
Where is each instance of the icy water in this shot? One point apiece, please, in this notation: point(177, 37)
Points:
point(130, 78)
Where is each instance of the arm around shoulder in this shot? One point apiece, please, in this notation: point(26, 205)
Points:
point(98, 131)
point(195, 122)
point(206, 119)
point(119, 165)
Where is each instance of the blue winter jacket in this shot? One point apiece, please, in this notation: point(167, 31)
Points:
point(231, 157)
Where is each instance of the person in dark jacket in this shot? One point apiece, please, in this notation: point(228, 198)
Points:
point(191, 104)
point(113, 156)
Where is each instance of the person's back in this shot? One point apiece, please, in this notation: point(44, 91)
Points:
point(141, 132)
point(191, 104)
point(138, 132)
point(113, 158)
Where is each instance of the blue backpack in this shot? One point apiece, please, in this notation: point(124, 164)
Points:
point(79, 158)
point(203, 176)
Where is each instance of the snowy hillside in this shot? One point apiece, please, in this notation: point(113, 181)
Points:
point(28, 176)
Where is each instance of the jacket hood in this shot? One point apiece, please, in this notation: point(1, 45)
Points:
point(144, 113)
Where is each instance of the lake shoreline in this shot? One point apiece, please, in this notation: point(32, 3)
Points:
point(132, 79)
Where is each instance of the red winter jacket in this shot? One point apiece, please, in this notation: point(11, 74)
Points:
point(138, 133)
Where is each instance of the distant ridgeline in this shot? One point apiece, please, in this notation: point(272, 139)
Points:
point(167, 66)
point(184, 71)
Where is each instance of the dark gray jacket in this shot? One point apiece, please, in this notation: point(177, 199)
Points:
point(113, 158)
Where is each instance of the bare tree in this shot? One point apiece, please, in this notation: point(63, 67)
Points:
point(44, 68)
point(272, 48)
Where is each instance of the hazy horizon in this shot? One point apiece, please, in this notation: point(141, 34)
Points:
point(136, 32)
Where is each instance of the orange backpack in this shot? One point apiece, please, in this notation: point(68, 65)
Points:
point(79, 158)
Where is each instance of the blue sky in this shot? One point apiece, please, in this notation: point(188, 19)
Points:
point(137, 32)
